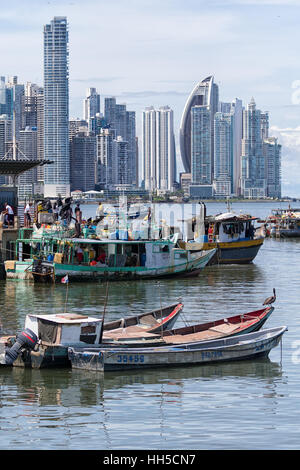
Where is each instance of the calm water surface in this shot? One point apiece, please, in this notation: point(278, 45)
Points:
point(246, 405)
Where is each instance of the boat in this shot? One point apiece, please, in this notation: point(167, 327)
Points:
point(156, 321)
point(235, 348)
point(229, 326)
point(50, 257)
point(232, 235)
point(54, 333)
point(284, 223)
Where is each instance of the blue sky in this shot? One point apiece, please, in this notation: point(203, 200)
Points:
point(154, 52)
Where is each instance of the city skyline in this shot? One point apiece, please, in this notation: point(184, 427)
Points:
point(151, 70)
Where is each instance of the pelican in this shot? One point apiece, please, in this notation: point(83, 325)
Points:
point(271, 299)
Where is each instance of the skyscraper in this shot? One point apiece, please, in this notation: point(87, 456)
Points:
point(56, 108)
point(91, 105)
point(253, 174)
point(122, 122)
point(27, 149)
point(223, 154)
point(205, 93)
point(272, 154)
point(104, 158)
point(201, 145)
point(159, 149)
point(83, 161)
point(237, 113)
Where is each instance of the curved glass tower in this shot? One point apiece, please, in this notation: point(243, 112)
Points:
point(206, 94)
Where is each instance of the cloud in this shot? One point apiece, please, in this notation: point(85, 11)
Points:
point(95, 79)
point(148, 93)
point(289, 138)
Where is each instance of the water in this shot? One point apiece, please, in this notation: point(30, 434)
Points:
point(246, 405)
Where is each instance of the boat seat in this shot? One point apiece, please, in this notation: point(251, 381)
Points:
point(224, 328)
point(148, 320)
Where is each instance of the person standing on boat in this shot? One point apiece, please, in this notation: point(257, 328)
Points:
point(27, 215)
point(9, 213)
point(55, 210)
point(78, 213)
point(79, 255)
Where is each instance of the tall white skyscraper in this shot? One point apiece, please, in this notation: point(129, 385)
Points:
point(159, 163)
point(237, 114)
point(223, 154)
point(56, 108)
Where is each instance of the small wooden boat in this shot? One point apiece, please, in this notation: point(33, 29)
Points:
point(230, 326)
point(57, 332)
point(155, 321)
point(236, 348)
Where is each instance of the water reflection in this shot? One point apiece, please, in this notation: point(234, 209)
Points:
point(65, 387)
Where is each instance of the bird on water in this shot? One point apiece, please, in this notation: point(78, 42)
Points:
point(270, 300)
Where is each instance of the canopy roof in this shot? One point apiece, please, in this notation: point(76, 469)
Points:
point(16, 167)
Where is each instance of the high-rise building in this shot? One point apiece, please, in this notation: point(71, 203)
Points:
point(77, 126)
point(27, 148)
point(272, 155)
point(17, 94)
point(91, 105)
point(40, 137)
point(253, 173)
point(104, 158)
point(223, 154)
point(159, 169)
point(56, 108)
point(122, 122)
point(237, 113)
point(6, 127)
point(120, 165)
point(206, 94)
point(29, 105)
point(83, 161)
point(201, 145)
point(132, 147)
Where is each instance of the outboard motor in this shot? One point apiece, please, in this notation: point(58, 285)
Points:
point(25, 340)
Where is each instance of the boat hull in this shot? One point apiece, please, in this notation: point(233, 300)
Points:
point(80, 272)
point(239, 252)
point(285, 233)
point(250, 346)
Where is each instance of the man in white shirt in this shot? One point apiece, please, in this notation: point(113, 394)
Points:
point(9, 213)
point(27, 215)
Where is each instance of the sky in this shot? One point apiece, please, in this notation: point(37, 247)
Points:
point(153, 53)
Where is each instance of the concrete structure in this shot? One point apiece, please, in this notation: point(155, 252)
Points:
point(56, 108)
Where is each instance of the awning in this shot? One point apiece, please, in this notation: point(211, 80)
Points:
point(16, 167)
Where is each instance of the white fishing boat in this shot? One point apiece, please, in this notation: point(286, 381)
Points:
point(45, 340)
